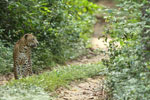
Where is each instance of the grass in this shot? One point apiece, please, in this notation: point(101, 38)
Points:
point(50, 81)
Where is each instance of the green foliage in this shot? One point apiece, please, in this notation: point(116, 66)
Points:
point(145, 34)
point(6, 62)
point(60, 76)
point(45, 59)
point(23, 93)
point(128, 77)
point(62, 27)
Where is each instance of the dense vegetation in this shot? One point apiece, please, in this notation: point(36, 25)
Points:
point(62, 28)
point(128, 65)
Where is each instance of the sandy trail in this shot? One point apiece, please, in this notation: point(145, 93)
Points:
point(92, 88)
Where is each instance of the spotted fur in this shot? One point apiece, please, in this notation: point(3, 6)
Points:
point(22, 56)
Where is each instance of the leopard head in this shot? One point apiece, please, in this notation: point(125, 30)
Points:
point(30, 40)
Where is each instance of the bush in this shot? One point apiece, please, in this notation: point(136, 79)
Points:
point(62, 27)
point(23, 93)
point(128, 77)
point(6, 62)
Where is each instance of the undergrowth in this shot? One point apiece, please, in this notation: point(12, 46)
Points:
point(128, 76)
point(48, 81)
point(62, 27)
point(6, 59)
point(23, 93)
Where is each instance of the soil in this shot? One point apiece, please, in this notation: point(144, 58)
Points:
point(107, 3)
point(90, 89)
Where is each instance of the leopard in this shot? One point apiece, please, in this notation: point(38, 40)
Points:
point(22, 56)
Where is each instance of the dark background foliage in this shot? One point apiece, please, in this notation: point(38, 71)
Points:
point(62, 27)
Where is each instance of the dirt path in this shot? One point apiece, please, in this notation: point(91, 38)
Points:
point(92, 88)
point(97, 40)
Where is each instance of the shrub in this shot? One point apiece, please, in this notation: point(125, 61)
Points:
point(62, 27)
point(6, 62)
point(128, 77)
point(23, 93)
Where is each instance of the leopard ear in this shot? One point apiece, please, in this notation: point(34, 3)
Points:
point(25, 36)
